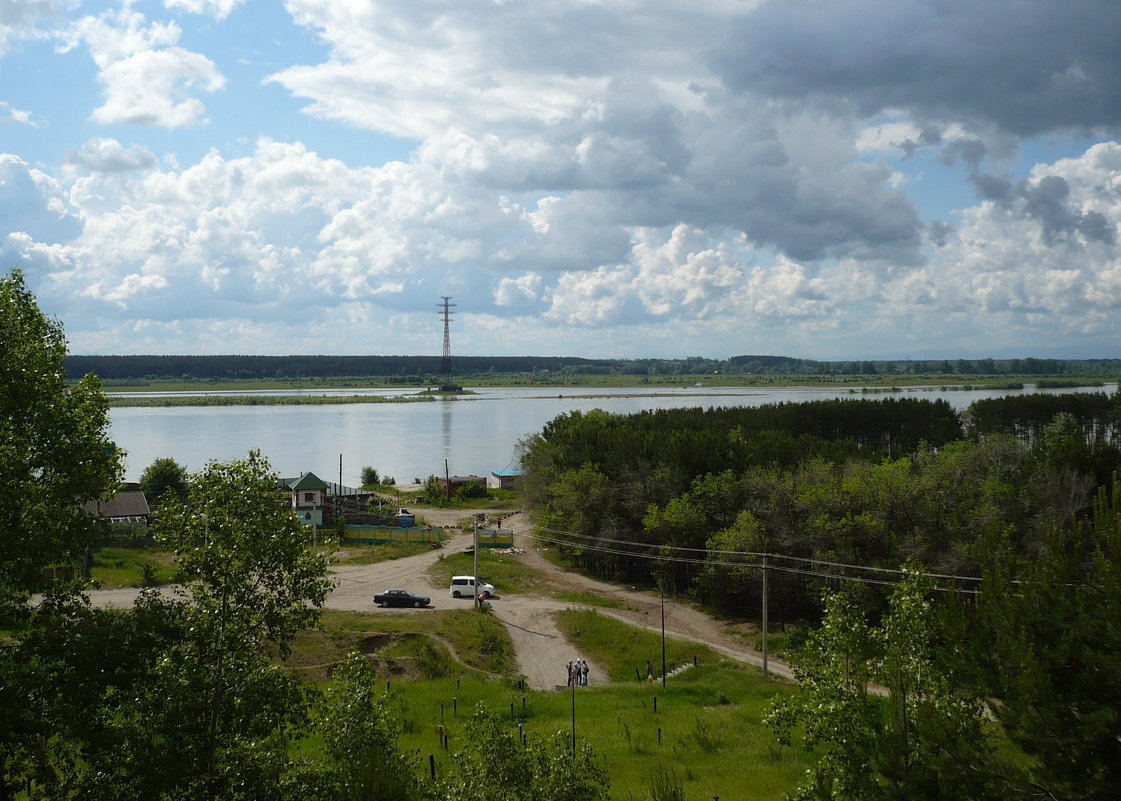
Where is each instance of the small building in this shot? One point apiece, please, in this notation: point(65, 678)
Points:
point(505, 479)
point(127, 506)
point(309, 496)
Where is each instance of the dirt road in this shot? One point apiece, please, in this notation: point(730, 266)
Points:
point(541, 649)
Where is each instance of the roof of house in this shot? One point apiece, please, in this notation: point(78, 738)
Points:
point(123, 504)
point(309, 481)
point(508, 472)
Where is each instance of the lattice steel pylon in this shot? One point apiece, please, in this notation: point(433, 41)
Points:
point(447, 315)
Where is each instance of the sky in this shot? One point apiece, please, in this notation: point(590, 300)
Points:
point(825, 179)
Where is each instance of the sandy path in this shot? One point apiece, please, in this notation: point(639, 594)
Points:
point(541, 649)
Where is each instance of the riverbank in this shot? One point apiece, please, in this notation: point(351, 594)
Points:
point(332, 391)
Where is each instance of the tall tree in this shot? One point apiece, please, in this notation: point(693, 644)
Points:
point(162, 475)
point(251, 582)
point(55, 451)
point(1048, 648)
point(920, 739)
point(359, 728)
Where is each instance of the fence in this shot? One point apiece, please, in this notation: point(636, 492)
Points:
point(496, 538)
point(377, 535)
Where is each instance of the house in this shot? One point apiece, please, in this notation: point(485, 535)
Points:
point(127, 506)
point(309, 496)
point(505, 479)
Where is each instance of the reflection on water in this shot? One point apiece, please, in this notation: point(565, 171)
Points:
point(476, 434)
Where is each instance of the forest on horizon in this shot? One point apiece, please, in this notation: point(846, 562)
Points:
point(417, 368)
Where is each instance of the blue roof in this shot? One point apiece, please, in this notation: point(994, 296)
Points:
point(506, 472)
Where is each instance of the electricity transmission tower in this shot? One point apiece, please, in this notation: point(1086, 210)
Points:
point(447, 363)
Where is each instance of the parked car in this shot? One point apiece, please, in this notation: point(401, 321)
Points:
point(465, 586)
point(401, 598)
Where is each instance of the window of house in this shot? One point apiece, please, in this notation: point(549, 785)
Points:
point(309, 497)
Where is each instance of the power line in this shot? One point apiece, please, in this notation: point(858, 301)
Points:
point(597, 546)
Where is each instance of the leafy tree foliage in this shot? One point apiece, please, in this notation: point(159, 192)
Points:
point(68, 681)
point(1047, 647)
point(251, 583)
point(164, 475)
point(920, 739)
point(370, 476)
point(178, 698)
point(495, 766)
point(54, 449)
point(360, 728)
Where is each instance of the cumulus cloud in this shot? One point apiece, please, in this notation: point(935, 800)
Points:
point(1042, 257)
point(21, 19)
point(147, 78)
point(33, 205)
point(10, 114)
point(660, 170)
point(220, 9)
point(108, 155)
point(1029, 68)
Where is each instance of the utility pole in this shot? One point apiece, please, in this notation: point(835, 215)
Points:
point(663, 592)
point(572, 687)
point(764, 617)
point(475, 567)
point(447, 313)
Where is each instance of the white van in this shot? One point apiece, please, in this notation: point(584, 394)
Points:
point(464, 587)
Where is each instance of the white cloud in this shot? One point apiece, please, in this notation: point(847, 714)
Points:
point(147, 78)
point(108, 155)
point(219, 9)
point(11, 114)
point(21, 19)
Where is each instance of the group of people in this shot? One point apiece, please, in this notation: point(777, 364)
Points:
point(577, 672)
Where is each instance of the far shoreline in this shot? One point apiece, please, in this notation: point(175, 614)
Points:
point(157, 393)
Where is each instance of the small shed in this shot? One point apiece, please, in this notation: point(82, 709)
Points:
point(505, 479)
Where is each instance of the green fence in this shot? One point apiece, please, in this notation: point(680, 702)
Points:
point(374, 535)
point(500, 538)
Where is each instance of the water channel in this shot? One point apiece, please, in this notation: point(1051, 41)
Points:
point(474, 434)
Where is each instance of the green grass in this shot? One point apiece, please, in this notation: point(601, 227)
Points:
point(505, 572)
point(131, 567)
point(705, 724)
point(590, 599)
point(622, 650)
point(407, 644)
point(373, 554)
point(717, 748)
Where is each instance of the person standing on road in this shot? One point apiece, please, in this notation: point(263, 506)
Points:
point(584, 673)
point(568, 667)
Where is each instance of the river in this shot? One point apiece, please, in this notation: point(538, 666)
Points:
point(474, 434)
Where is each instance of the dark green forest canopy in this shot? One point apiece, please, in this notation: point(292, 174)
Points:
point(418, 367)
point(865, 482)
point(696, 441)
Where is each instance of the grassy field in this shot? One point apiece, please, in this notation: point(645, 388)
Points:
point(506, 573)
point(381, 552)
point(701, 731)
point(131, 567)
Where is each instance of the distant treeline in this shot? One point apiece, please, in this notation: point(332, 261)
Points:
point(416, 369)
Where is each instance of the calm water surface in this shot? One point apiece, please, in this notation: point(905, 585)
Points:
point(413, 440)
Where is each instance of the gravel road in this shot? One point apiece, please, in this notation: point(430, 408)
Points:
point(541, 649)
